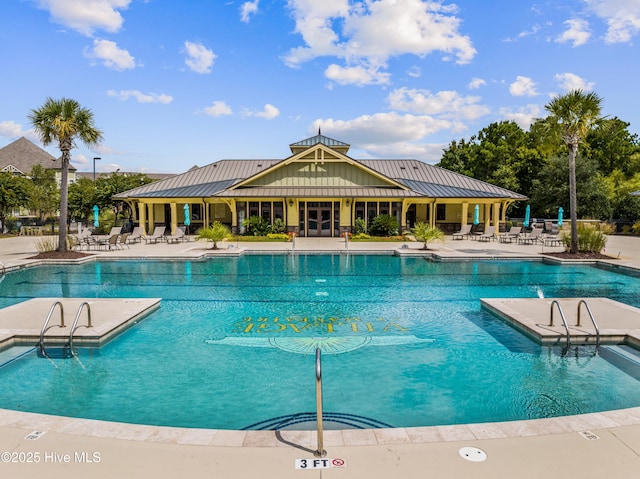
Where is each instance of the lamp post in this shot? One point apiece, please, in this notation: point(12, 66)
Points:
point(94, 167)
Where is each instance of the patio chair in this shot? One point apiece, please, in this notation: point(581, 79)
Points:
point(531, 238)
point(512, 234)
point(122, 240)
point(465, 230)
point(158, 235)
point(488, 235)
point(176, 237)
point(136, 235)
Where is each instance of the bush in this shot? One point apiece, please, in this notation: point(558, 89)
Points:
point(636, 228)
point(384, 225)
point(11, 222)
point(590, 239)
point(278, 236)
point(361, 236)
point(278, 226)
point(216, 232)
point(427, 233)
point(47, 244)
point(257, 226)
point(360, 227)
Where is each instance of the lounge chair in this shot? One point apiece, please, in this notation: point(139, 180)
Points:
point(465, 230)
point(122, 240)
point(176, 237)
point(531, 238)
point(158, 234)
point(511, 235)
point(488, 235)
point(136, 235)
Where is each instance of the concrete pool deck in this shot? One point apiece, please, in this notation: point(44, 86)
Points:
point(589, 445)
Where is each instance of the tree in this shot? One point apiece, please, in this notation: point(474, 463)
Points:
point(14, 193)
point(215, 233)
point(427, 233)
point(82, 197)
point(64, 121)
point(43, 195)
point(572, 116)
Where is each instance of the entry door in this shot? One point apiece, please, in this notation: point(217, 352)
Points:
point(319, 220)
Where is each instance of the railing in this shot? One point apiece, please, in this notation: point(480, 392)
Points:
point(44, 326)
point(3, 269)
point(320, 452)
point(76, 326)
point(564, 321)
point(593, 320)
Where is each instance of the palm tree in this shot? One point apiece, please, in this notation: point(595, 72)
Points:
point(427, 233)
point(216, 232)
point(572, 116)
point(64, 121)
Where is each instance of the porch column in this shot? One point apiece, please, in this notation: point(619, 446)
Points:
point(142, 216)
point(496, 216)
point(152, 221)
point(487, 215)
point(174, 217)
point(432, 214)
point(465, 212)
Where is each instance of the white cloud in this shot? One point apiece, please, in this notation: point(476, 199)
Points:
point(11, 129)
point(199, 58)
point(476, 83)
point(577, 32)
point(110, 55)
point(447, 104)
point(356, 75)
point(247, 9)
point(384, 134)
point(141, 97)
point(269, 113)
point(218, 108)
point(524, 116)
point(414, 72)
point(523, 86)
point(622, 17)
point(571, 81)
point(366, 34)
point(86, 16)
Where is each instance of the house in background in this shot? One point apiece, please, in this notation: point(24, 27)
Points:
point(22, 155)
point(318, 191)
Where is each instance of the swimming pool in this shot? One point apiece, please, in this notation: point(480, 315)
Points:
point(404, 339)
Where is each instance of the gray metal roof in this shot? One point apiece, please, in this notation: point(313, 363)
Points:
point(422, 179)
point(325, 140)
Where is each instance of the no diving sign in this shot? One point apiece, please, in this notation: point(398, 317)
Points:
point(321, 463)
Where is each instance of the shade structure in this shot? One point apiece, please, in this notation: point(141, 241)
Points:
point(560, 213)
point(476, 215)
point(96, 213)
point(187, 218)
point(527, 216)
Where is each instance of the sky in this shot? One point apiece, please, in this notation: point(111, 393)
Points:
point(174, 84)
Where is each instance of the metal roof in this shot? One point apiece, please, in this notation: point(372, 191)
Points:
point(325, 140)
point(422, 179)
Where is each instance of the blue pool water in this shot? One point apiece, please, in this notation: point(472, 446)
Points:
point(404, 343)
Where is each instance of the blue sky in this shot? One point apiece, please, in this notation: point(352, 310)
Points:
point(173, 84)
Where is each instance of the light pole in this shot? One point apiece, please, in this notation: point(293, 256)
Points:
point(94, 167)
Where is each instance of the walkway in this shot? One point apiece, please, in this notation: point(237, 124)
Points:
point(589, 446)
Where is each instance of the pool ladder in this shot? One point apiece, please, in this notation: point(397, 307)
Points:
point(566, 326)
point(66, 351)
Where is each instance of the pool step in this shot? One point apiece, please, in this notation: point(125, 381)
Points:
point(624, 358)
point(13, 354)
point(307, 420)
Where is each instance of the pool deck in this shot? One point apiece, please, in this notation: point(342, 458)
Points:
point(589, 445)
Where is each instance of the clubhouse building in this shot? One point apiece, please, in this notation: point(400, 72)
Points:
point(318, 191)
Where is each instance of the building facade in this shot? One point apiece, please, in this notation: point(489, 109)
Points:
point(318, 191)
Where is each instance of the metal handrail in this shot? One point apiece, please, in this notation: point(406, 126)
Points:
point(75, 324)
point(320, 452)
point(593, 320)
point(564, 321)
point(46, 322)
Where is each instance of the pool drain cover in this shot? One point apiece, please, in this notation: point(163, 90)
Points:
point(473, 454)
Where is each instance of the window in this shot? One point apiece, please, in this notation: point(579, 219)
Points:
point(441, 212)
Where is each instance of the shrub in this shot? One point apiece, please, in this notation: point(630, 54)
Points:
point(216, 232)
point(279, 236)
point(11, 222)
point(360, 226)
point(360, 236)
point(590, 239)
point(636, 228)
point(47, 244)
point(278, 226)
point(384, 225)
point(257, 226)
point(427, 233)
